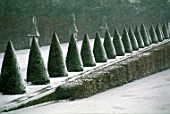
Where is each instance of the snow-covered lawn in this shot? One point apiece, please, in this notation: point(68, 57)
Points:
point(87, 104)
point(149, 95)
point(22, 57)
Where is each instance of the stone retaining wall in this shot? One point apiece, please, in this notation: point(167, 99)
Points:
point(137, 66)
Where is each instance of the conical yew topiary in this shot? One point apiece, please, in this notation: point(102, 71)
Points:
point(133, 40)
point(98, 50)
point(168, 25)
point(11, 79)
point(165, 31)
point(159, 33)
point(36, 71)
point(160, 27)
point(109, 47)
point(117, 42)
point(149, 36)
point(0, 84)
point(86, 53)
point(139, 37)
point(153, 34)
point(144, 35)
point(126, 42)
point(56, 63)
point(73, 58)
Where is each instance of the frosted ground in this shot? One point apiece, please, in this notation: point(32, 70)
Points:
point(22, 57)
point(148, 95)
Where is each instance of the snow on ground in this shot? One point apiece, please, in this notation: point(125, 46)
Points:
point(22, 57)
point(149, 95)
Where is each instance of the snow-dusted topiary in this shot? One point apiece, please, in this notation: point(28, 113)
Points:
point(149, 36)
point(56, 63)
point(126, 42)
point(165, 31)
point(117, 42)
point(109, 47)
point(159, 33)
point(98, 50)
point(139, 37)
point(0, 84)
point(145, 35)
point(168, 25)
point(160, 27)
point(133, 40)
point(11, 79)
point(153, 34)
point(86, 53)
point(36, 70)
point(73, 58)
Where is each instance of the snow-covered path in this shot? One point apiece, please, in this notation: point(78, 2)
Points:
point(149, 95)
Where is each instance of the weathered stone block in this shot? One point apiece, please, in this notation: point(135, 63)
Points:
point(69, 90)
point(165, 57)
point(168, 48)
point(121, 74)
point(140, 66)
point(149, 63)
point(114, 75)
point(158, 60)
point(130, 65)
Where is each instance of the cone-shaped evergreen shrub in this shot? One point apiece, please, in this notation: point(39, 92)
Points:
point(149, 36)
point(36, 71)
point(133, 40)
point(139, 37)
point(168, 25)
point(159, 33)
point(165, 31)
point(153, 34)
point(0, 84)
point(126, 42)
point(117, 42)
point(160, 27)
point(98, 50)
point(109, 47)
point(56, 63)
point(73, 58)
point(11, 80)
point(144, 35)
point(86, 53)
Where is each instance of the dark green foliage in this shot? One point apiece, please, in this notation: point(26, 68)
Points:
point(153, 34)
point(56, 63)
point(86, 53)
point(0, 84)
point(159, 33)
point(109, 47)
point(133, 40)
point(60, 11)
point(117, 42)
point(11, 80)
point(168, 25)
point(98, 50)
point(160, 27)
point(144, 35)
point(73, 58)
point(126, 42)
point(139, 37)
point(165, 31)
point(36, 71)
point(149, 36)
